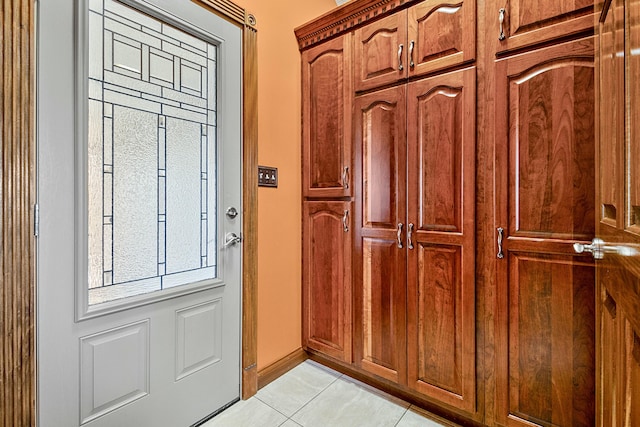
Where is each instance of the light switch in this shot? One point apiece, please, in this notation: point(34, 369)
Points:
point(267, 176)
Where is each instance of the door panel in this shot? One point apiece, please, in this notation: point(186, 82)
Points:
point(135, 281)
point(441, 280)
point(443, 35)
point(528, 23)
point(327, 94)
point(380, 296)
point(378, 57)
point(327, 278)
point(545, 317)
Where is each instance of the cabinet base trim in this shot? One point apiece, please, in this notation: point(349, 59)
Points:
point(281, 367)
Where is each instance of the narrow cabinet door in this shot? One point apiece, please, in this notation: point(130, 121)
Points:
point(327, 278)
point(441, 248)
point(326, 108)
point(440, 35)
point(526, 22)
point(380, 269)
point(381, 52)
point(545, 186)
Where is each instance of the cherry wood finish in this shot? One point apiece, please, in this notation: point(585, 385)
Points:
point(530, 23)
point(441, 259)
point(380, 257)
point(444, 35)
point(326, 128)
point(427, 37)
point(380, 52)
point(17, 192)
point(326, 289)
point(617, 220)
point(545, 314)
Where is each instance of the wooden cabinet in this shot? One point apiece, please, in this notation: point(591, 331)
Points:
point(414, 276)
point(441, 345)
point(380, 266)
point(427, 37)
point(527, 23)
point(327, 277)
point(326, 129)
point(545, 313)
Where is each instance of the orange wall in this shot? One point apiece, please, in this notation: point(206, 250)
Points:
point(279, 209)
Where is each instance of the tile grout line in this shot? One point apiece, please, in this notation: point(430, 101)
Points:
point(315, 397)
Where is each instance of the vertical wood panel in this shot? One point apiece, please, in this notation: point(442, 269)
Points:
point(250, 212)
point(17, 181)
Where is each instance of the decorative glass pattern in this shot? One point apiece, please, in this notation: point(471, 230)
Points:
point(151, 154)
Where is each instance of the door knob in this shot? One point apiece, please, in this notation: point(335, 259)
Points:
point(230, 239)
point(598, 248)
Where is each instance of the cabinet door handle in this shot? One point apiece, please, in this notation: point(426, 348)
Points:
point(411, 46)
point(410, 236)
point(501, 15)
point(400, 235)
point(400, 66)
point(345, 177)
point(500, 237)
point(345, 221)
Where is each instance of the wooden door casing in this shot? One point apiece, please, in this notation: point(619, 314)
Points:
point(326, 287)
point(618, 212)
point(528, 23)
point(441, 259)
point(443, 35)
point(545, 192)
point(380, 257)
point(326, 133)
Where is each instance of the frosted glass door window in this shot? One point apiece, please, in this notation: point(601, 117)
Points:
point(151, 154)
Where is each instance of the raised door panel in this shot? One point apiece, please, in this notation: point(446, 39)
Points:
point(380, 55)
point(440, 35)
point(441, 246)
point(327, 278)
point(529, 23)
point(326, 134)
point(545, 314)
point(380, 273)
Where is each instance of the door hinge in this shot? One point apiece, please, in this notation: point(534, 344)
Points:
point(36, 220)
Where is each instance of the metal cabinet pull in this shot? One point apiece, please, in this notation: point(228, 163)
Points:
point(400, 66)
point(500, 237)
point(410, 236)
point(501, 14)
point(345, 221)
point(411, 46)
point(400, 235)
point(345, 177)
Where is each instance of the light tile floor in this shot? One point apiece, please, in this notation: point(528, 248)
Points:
point(312, 395)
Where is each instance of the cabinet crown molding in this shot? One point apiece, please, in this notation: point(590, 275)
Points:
point(344, 18)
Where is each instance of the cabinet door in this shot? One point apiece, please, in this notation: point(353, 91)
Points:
point(326, 111)
point(545, 201)
point(381, 52)
point(327, 278)
point(441, 251)
point(440, 35)
point(380, 270)
point(529, 22)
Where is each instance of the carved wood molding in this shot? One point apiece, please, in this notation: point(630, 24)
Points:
point(17, 191)
point(346, 18)
point(230, 10)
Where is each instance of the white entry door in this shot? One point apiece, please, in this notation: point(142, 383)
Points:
point(139, 192)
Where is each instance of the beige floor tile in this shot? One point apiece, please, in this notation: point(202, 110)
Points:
point(348, 403)
point(414, 417)
point(248, 413)
point(297, 387)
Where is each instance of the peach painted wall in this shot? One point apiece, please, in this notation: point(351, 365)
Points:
point(279, 209)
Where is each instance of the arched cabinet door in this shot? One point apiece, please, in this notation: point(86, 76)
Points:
point(326, 126)
point(326, 290)
point(545, 196)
